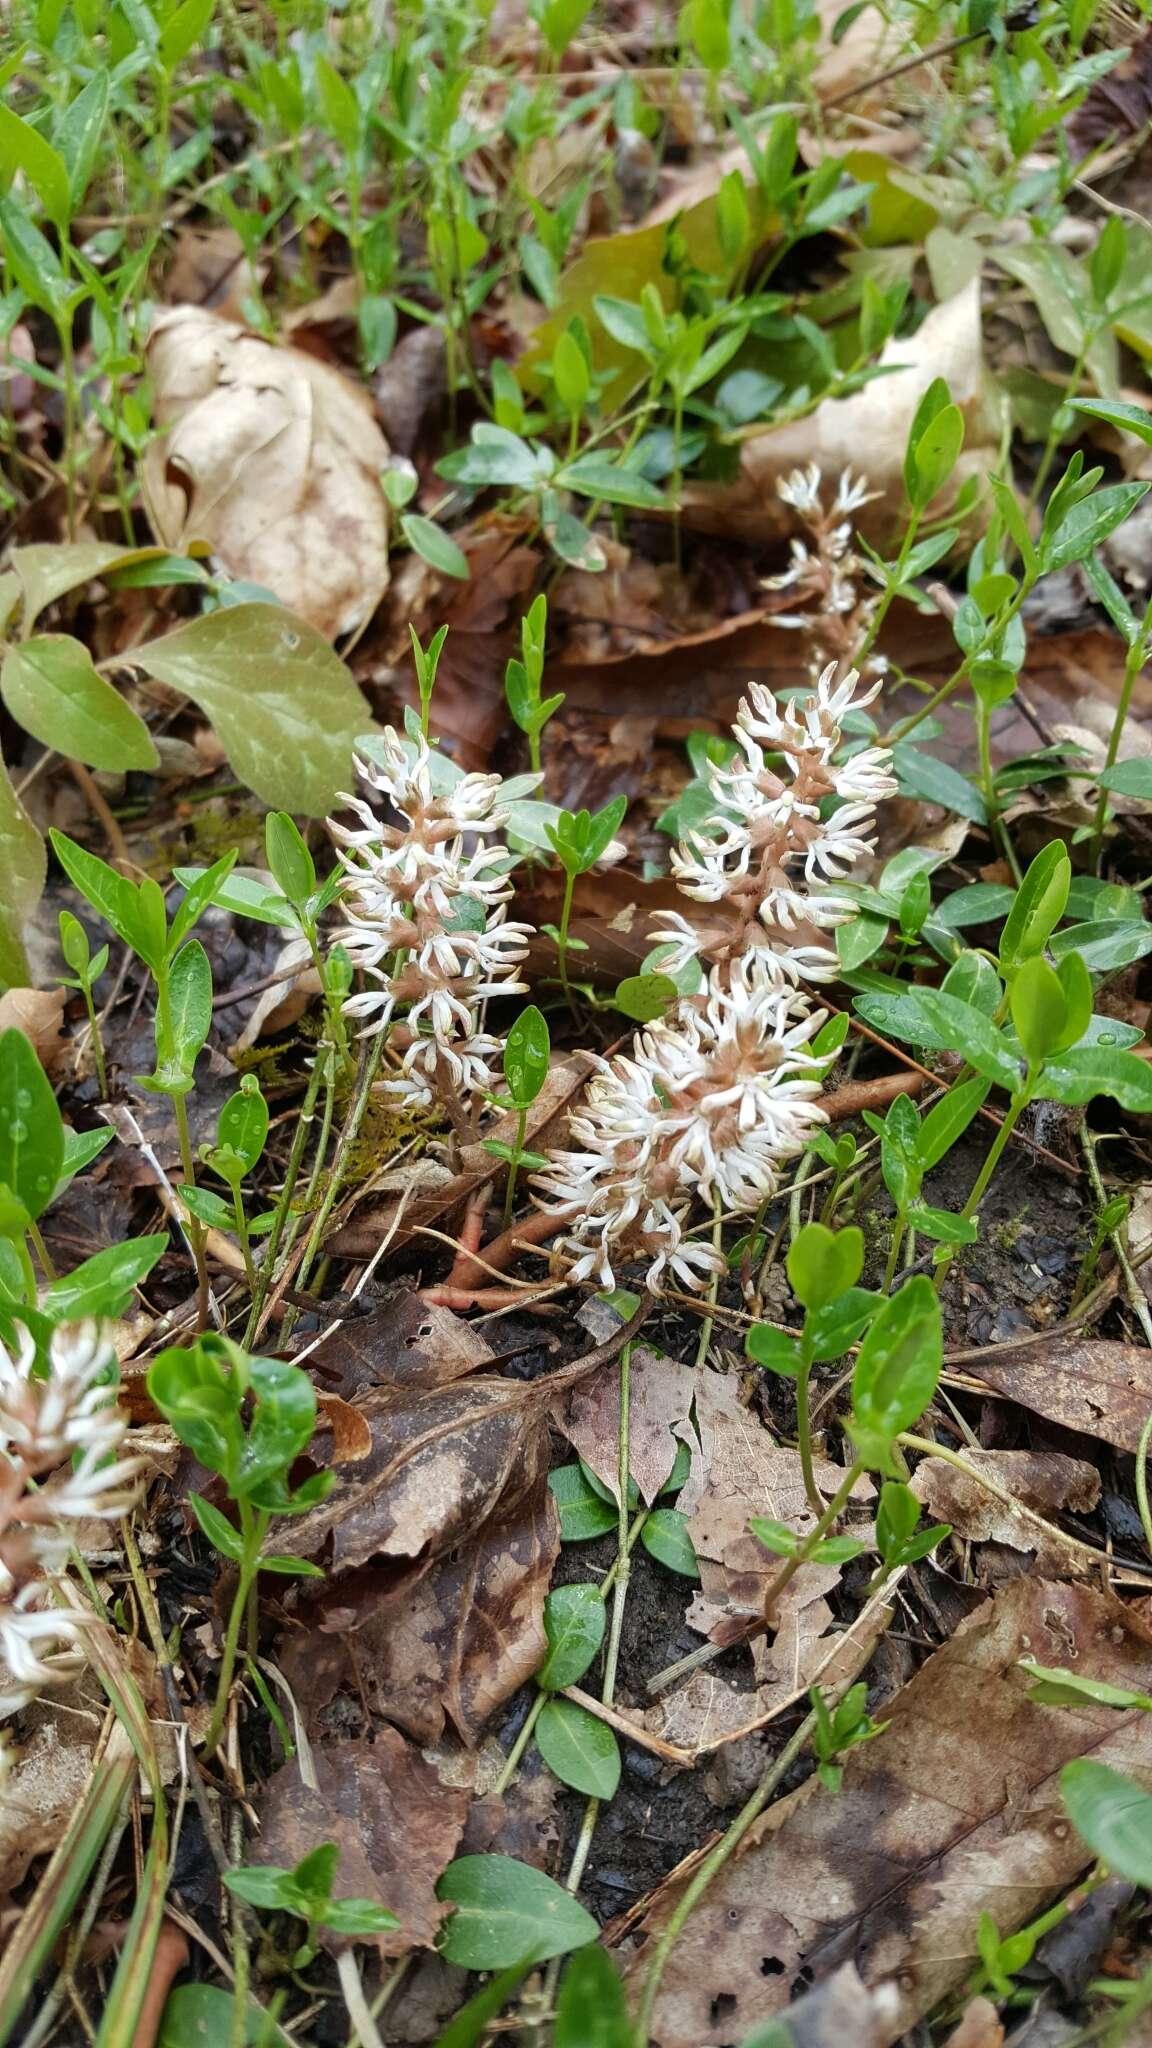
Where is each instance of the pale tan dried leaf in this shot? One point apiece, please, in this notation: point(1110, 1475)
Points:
point(39, 1014)
point(955, 1808)
point(661, 1392)
point(278, 1008)
point(46, 1778)
point(351, 1436)
point(979, 2028)
point(1045, 1481)
point(273, 458)
point(866, 433)
point(1090, 1384)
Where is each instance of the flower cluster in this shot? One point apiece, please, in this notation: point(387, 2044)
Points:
point(821, 580)
point(427, 917)
point(69, 1415)
point(713, 1101)
point(709, 1105)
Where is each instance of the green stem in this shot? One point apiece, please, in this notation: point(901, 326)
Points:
point(804, 1436)
point(1052, 441)
point(96, 1040)
point(242, 1234)
point(347, 1141)
point(894, 1251)
point(1132, 666)
point(711, 1867)
point(41, 1251)
point(518, 1748)
point(562, 936)
point(814, 1537)
point(889, 593)
point(1016, 1109)
point(284, 1202)
point(513, 1166)
point(253, 1528)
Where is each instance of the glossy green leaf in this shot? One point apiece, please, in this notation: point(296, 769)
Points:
point(290, 862)
point(208, 1208)
point(117, 900)
point(199, 893)
point(664, 1534)
point(776, 1350)
point(574, 1626)
point(527, 1052)
point(942, 1226)
point(24, 864)
point(220, 1533)
point(948, 1120)
point(434, 546)
point(1056, 1688)
point(31, 1127)
point(897, 1367)
point(1039, 906)
point(822, 1263)
point(1087, 1071)
point(591, 2008)
point(831, 1330)
point(505, 1910)
point(1088, 523)
point(1113, 1814)
point(644, 997)
point(931, 1018)
point(1105, 944)
point(582, 1751)
point(25, 149)
point(105, 1284)
point(243, 1125)
point(583, 1515)
point(51, 688)
point(283, 703)
point(48, 570)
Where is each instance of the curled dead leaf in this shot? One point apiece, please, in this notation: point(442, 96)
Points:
point(1043, 1481)
point(274, 459)
point(867, 433)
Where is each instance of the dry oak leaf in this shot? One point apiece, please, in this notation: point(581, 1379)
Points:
point(441, 1462)
point(661, 1392)
point(1044, 1481)
point(749, 1474)
point(956, 1808)
point(396, 1826)
point(405, 1343)
point(271, 457)
point(867, 432)
point(1101, 1388)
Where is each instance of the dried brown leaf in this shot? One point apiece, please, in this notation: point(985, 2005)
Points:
point(955, 1808)
point(458, 1639)
point(441, 1460)
point(979, 2028)
point(1100, 1388)
point(395, 1823)
point(749, 1473)
point(661, 1392)
point(407, 1343)
point(39, 1014)
point(272, 457)
point(1045, 1481)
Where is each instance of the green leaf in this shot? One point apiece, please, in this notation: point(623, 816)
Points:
point(117, 900)
point(1114, 1815)
point(948, 1121)
point(281, 1425)
point(644, 997)
point(1133, 419)
point(23, 148)
point(1091, 1070)
point(202, 2014)
point(775, 1536)
point(356, 1916)
point(574, 1626)
point(1056, 1688)
point(973, 979)
point(583, 1515)
point(243, 1125)
point(527, 1052)
point(897, 1368)
point(582, 1751)
point(1039, 906)
point(942, 1226)
point(80, 131)
point(291, 864)
point(591, 2009)
point(242, 896)
point(935, 454)
point(936, 399)
point(31, 1127)
point(830, 1330)
point(1128, 778)
point(198, 895)
point(1037, 1003)
point(183, 30)
point(595, 476)
point(935, 782)
point(776, 1350)
point(267, 1886)
point(859, 939)
point(104, 1284)
point(208, 1208)
point(224, 1538)
point(931, 1018)
point(1104, 945)
point(664, 1534)
point(24, 865)
point(47, 570)
point(506, 1910)
point(292, 1567)
point(80, 1149)
point(976, 903)
point(434, 546)
point(1085, 525)
point(283, 703)
point(496, 456)
point(190, 997)
point(822, 1263)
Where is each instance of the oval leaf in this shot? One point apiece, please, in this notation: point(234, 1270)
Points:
point(506, 1910)
point(582, 1751)
point(52, 689)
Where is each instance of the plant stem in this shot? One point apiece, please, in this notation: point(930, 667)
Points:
point(804, 1550)
point(1142, 1481)
point(348, 1136)
point(513, 1166)
point(711, 1867)
point(242, 1234)
point(284, 1202)
point(1133, 664)
point(1016, 1109)
point(889, 593)
point(253, 1528)
point(195, 1227)
point(562, 936)
point(508, 1770)
point(96, 1041)
point(804, 1435)
point(41, 1251)
point(707, 1325)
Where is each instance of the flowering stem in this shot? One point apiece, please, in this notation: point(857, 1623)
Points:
point(713, 1284)
point(892, 586)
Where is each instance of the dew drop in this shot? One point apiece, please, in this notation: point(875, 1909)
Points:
point(17, 1130)
point(23, 1099)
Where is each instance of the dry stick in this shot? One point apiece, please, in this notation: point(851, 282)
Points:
point(117, 844)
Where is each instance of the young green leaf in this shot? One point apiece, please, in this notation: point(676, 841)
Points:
point(53, 690)
point(217, 1529)
point(583, 1515)
point(581, 1750)
point(104, 1284)
point(289, 860)
point(822, 1263)
point(574, 1626)
point(1040, 904)
point(664, 1534)
point(31, 1127)
point(117, 900)
point(591, 2009)
point(505, 1910)
point(897, 1369)
point(527, 1051)
point(1114, 1815)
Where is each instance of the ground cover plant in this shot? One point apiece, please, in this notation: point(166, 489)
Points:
point(575, 1347)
